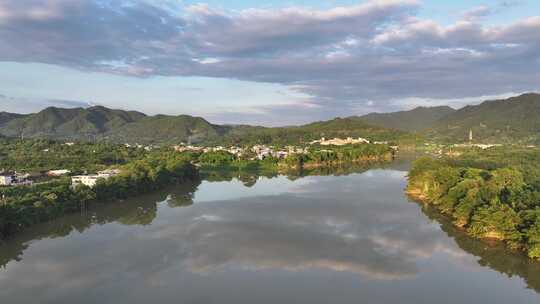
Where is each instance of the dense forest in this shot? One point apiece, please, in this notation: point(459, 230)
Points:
point(492, 194)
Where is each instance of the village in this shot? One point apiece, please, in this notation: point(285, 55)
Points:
point(254, 152)
point(261, 151)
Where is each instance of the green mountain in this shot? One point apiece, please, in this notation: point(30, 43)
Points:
point(512, 120)
point(338, 127)
point(68, 123)
point(100, 123)
point(6, 117)
point(103, 123)
point(417, 119)
point(167, 129)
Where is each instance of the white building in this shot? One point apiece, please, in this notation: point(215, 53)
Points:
point(340, 142)
point(91, 179)
point(5, 180)
point(58, 172)
point(14, 179)
point(481, 146)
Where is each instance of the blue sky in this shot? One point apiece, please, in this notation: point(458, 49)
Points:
point(281, 62)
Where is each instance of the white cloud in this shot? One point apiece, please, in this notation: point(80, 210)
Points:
point(340, 57)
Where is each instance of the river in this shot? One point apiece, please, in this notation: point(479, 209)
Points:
point(353, 237)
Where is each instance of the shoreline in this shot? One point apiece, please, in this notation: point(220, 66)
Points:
point(11, 223)
point(489, 237)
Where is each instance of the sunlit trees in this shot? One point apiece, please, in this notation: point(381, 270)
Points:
point(23, 206)
point(492, 194)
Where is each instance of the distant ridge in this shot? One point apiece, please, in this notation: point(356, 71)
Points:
point(417, 119)
point(101, 123)
point(6, 117)
point(512, 120)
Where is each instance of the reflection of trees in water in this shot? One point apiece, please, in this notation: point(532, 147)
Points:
point(250, 177)
point(247, 177)
point(495, 256)
point(136, 211)
point(142, 210)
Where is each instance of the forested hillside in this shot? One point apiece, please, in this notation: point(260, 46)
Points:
point(100, 123)
point(417, 119)
point(512, 120)
point(338, 127)
point(97, 123)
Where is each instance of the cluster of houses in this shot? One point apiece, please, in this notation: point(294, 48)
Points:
point(14, 179)
point(263, 151)
point(260, 151)
point(237, 151)
point(11, 179)
point(25, 179)
point(139, 146)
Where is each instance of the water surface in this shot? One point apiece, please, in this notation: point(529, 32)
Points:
point(352, 238)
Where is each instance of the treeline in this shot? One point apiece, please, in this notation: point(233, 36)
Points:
point(315, 156)
point(140, 210)
point(335, 155)
point(36, 155)
point(23, 206)
point(493, 194)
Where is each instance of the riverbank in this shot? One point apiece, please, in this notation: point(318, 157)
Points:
point(497, 204)
point(21, 207)
point(297, 162)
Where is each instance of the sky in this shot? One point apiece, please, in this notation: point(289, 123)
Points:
point(280, 62)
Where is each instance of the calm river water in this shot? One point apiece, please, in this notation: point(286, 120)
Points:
point(352, 238)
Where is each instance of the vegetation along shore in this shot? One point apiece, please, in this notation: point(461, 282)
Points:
point(490, 194)
point(44, 179)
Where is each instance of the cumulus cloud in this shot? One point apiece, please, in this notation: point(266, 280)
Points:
point(357, 58)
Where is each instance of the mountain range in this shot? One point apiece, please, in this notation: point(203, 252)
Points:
point(414, 120)
point(509, 120)
point(103, 123)
point(512, 120)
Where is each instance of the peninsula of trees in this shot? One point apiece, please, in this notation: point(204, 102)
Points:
point(491, 194)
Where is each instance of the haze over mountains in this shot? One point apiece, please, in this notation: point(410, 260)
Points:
point(516, 119)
